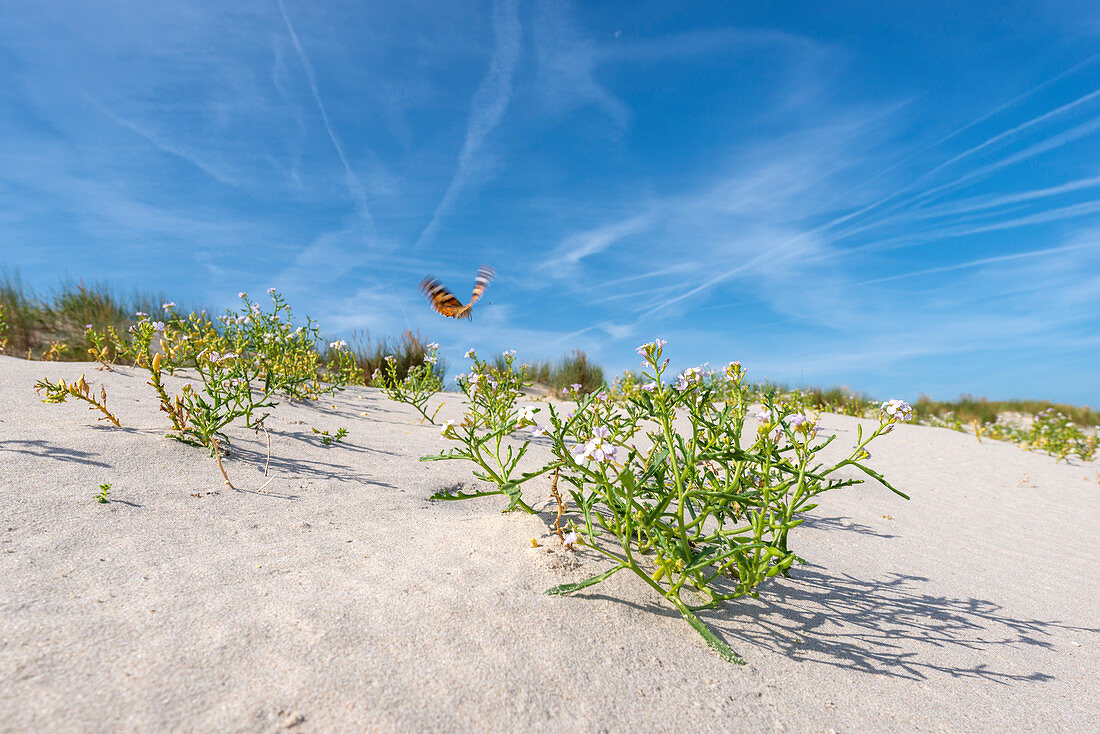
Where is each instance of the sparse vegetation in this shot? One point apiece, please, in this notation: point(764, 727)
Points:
point(420, 383)
point(968, 408)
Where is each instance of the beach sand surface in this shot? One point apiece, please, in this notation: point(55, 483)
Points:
point(343, 599)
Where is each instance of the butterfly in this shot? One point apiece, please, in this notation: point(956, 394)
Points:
point(444, 301)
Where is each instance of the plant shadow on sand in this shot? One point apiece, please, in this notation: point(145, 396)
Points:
point(299, 467)
point(314, 440)
point(843, 523)
point(878, 626)
point(47, 450)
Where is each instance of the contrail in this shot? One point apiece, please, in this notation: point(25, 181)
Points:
point(355, 186)
point(489, 105)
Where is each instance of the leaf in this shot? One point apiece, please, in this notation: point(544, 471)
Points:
point(570, 588)
point(441, 457)
point(711, 639)
point(871, 472)
point(458, 494)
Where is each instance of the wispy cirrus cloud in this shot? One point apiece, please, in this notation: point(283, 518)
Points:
point(567, 61)
point(487, 110)
point(561, 262)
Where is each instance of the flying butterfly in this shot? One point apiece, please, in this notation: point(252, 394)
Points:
point(444, 301)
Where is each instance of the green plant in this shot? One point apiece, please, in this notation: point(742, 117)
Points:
point(418, 385)
point(242, 366)
point(1051, 431)
point(696, 510)
point(101, 495)
point(491, 416)
point(364, 359)
point(105, 347)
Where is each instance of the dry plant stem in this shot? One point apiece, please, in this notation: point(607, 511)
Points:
point(217, 456)
point(267, 462)
point(561, 505)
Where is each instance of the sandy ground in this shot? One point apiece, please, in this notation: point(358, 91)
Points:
point(345, 600)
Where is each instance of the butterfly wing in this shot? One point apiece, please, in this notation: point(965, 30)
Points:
point(481, 282)
point(443, 300)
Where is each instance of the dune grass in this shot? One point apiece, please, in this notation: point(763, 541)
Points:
point(53, 326)
point(408, 350)
point(969, 408)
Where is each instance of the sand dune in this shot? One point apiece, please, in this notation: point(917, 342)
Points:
point(344, 600)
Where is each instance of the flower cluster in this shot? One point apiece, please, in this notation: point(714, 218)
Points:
point(691, 377)
point(896, 411)
point(598, 448)
point(651, 349)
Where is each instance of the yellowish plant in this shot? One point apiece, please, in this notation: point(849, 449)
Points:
point(3, 329)
point(60, 391)
point(55, 352)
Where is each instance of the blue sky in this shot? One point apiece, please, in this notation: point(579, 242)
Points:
point(898, 197)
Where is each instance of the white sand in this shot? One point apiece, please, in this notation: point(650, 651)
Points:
point(345, 600)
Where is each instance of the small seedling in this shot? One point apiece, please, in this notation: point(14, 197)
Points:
point(56, 352)
point(101, 495)
point(327, 440)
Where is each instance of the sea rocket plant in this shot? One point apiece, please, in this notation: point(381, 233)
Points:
point(491, 416)
point(421, 382)
point(689, 506)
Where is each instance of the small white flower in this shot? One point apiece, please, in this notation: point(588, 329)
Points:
point(140, 314)
point(447, 427)
point(470, 354)
point(271, 291)
point(649, 386)
point(339, 344)
point(570, 537)
point(242, 294)
point(433, 347)
point(510, 353)
point(537, 430)
point(168, 305)
point(158, 326)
